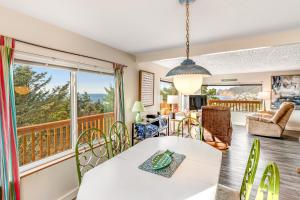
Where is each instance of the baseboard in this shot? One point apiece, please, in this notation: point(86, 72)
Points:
point(70, 195)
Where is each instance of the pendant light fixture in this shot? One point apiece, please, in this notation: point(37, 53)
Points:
point(188, 76)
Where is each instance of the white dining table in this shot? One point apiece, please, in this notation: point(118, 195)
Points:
point(120, 178)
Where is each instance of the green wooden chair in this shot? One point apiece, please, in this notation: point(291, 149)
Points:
point(119, 138)
point(269, 184)
point(193, 124)
point(91, 149)
point(226, 193)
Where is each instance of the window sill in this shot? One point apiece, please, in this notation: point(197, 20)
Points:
point(46, 165)
point(54, 161)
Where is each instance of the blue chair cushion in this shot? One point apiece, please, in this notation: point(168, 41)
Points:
point(146, 131)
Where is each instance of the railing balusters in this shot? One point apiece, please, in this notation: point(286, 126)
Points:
point(33, 146)
point(67, 137)
point(50, 138)
point(101, 123)
point(61, 140)
point(48, 142)
point(55, 139)
point(238, 105)
point(24, 148)
point(41, 143)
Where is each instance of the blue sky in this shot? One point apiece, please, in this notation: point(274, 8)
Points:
point(89, 82)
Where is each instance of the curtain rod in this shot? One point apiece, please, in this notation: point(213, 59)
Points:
point(62, 51)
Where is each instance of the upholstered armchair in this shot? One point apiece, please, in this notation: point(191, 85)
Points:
point(216, 122)
point(270, 124)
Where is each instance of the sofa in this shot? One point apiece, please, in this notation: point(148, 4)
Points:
point(271, 124)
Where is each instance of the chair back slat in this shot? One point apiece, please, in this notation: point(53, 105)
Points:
point(269, 184)
point(91, 149)
point(193, 126)
point(250, 171)
point(119, 138)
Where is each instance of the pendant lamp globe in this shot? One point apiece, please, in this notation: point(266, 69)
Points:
point(188, 77)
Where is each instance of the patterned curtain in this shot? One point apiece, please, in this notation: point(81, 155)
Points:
point(119, 107)
point(9, 169)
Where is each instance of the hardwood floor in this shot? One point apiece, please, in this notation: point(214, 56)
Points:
point(285, 152)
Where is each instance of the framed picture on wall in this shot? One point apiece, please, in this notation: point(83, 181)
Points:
point(146, 88)
point(285, 88)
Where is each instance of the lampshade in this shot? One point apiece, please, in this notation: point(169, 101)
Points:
point(172, 99)
point(188, 77)
point(264, 95)
point(138, 107)
point(188, 84)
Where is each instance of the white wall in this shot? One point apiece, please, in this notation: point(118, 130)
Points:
point(263, 78)
point(57, 181)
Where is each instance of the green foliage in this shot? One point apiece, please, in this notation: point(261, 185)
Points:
point(211, 93)
point(45, 104)
point(85, 106)
point(40, 105)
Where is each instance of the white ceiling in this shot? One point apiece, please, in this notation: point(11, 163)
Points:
point(138, 26)
point(286, 57)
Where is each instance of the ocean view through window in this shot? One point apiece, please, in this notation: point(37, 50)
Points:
point(43, 111)
point(44, 108)
point(95, 93)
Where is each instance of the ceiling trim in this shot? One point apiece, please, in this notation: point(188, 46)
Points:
point(264, 40)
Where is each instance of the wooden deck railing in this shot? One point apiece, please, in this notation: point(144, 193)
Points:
point(238, 105)
point(43, 140)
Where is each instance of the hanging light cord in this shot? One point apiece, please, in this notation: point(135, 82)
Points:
point(187, 29)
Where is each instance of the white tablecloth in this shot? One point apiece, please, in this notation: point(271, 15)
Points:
point(120, 179)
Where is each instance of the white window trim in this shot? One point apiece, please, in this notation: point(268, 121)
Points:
point(43, 161)
point(73, 69)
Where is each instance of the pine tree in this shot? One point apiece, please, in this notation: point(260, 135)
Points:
point(40, 105)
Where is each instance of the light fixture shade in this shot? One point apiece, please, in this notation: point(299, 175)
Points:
point(188, 77)
point(188, 84)
point(172, 99)
point(138, 107)
point(188, 66)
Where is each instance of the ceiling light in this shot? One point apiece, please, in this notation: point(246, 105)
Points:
point(188, 76)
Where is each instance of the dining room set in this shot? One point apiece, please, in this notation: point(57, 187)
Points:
point(165, 167)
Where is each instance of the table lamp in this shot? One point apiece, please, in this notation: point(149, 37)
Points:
point(263, 96)
point(172, 99)
point(138, 107)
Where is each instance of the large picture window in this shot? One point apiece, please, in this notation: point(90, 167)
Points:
point(95, 101)
point(43, 107)
point(166, 88)
point(46, 99)
point(232, 92)
point(240, 98)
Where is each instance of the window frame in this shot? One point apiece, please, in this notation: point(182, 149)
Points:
point(237, 84)
point(74, 70)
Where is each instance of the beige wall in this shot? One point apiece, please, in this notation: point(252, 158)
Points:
point(60, 180)
point(263, 78)
point(160, 72)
